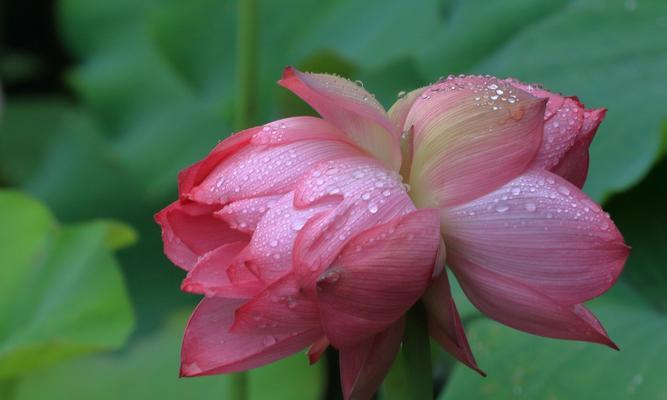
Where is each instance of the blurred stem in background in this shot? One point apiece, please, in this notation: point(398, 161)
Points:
point(417, 354)
point(246, 100)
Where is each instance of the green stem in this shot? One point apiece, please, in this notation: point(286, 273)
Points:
point(246, 97)
point(246, 63)
point(417, 354)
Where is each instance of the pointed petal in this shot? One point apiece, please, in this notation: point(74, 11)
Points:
point(573, 166)
point(209, 275)
point(471, 135)
point(208, 347)
point(540, 230)
point(401, 108)
point(523, 307)
point(364, 366)
point(568, 132)
point(280, 308)
point(367, 194)
point(195, 174)
point(189, 230)
point(351, 108)
point(379, 275)
point(445, 324)
point(317, 349)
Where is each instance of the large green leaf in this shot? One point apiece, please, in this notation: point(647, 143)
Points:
point(149, 370)
point(530, 367)
point(61, 292)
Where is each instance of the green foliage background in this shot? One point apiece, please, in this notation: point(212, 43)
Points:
point(151, 89)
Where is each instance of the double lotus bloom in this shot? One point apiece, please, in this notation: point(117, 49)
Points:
point(314, 232)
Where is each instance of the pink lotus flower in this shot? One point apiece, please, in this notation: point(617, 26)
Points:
point(317, 232)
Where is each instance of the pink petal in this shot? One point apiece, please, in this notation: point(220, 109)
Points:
point(209, 275)
point(282, 307)
point(351, 108)
point(189, 230)
point(471, 135)
point(244, 215)
point(266, 170)
point(195, 174)
point(294, 129)
point(367, 195)
point(540, 230)
point(527, 308)
point(445, 324)
point(573, 166)
point(568, 131)
point(364, 366)
point(208, 347)
point(269, 254)
point(317, 349)
point(378, 276)
point(401, 108)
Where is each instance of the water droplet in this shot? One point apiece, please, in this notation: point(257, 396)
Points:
point(386, 193)
point(516, 191)
point(372, 208)
point(273, 243)
point(358, 174)
point(502, 208)
point(563, 190)
point(268, 340)
point(401, 94)
point(366, 196)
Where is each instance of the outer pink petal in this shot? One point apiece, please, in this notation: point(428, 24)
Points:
point(526, 308)
point(573, 166)
point(445, 324)
point(195, 174)
point(471, 135)
point(209, 275)
point(542, 231)
point(189, 230)
point(267, 170)
point(367, 195)
point(568, 131)
point(282, 307)
point(379, 275)
point(208, 347)
point(364, 366)
point(351, 108)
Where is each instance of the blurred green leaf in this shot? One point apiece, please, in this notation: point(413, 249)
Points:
point(530, 367)
point(61, 292)
point(149, 370)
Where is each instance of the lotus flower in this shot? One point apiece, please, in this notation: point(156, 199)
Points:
point(309, 232)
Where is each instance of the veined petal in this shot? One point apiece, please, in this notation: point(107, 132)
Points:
point(568, 131)
point(209, 275)
point(526, 308)
point(542, 231)
point(471, 135)
point(266, 170)
point(400, 109)
point(269, 254)
point(351, 108)
point(244, 215)
point(364, 366)
point(209, 348)
point(282, 307)
point(379, 275)
point(189, 230)
point(445, 324)
point(367, 194)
